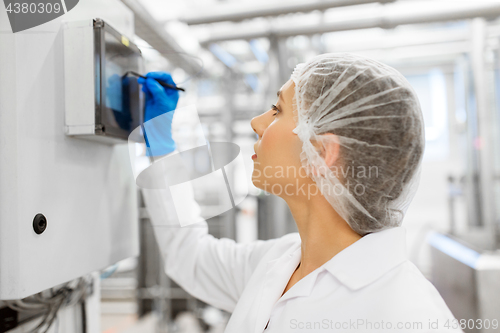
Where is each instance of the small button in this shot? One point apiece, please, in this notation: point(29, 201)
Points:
point(39, 223)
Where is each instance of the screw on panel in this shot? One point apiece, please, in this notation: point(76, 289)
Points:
point(98, 23)
point(99, 129)
point(39, 223)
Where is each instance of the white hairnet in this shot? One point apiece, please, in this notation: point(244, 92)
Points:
point(375, 117)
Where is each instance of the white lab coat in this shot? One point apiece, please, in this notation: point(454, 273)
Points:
point(366, 286)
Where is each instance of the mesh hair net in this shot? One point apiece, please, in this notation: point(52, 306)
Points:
point(376, 120)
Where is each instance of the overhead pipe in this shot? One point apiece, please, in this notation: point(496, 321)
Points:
point(490, 10)
point(240, 14)
point(154, 33)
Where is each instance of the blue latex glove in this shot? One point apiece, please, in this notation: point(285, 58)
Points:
point(160, 101)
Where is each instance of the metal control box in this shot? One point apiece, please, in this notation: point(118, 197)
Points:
point(68, 207)
point(102, 102)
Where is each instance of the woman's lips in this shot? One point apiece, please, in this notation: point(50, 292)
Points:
point(254, 156)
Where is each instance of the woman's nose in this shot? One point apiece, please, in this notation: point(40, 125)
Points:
point(259, 124)
point(255, 125)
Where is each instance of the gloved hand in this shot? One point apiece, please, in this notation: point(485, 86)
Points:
point(160, 101)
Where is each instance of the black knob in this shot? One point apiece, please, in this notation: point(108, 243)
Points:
point(39, 223)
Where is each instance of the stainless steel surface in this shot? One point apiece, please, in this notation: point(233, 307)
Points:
point(455, 282)
point(488, 282)
point(470, 287)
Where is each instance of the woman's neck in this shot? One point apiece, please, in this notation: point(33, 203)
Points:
point(322, 231)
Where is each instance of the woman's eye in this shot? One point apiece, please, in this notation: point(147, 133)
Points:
point(275, 108)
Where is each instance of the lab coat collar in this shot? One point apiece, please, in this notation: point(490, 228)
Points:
point(355, 267)
point(369, 258)
point(306, 285)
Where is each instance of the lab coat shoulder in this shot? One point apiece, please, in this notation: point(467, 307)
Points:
point(420, 294)
point(403, 295)
point(243, 259)
point(372, 280)
point(276, 249)
point(213, 270)
point(219, 269)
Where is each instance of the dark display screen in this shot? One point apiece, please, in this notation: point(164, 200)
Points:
point(120, 100)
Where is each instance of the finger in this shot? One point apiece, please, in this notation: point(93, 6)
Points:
point(165, 77)
point(149, 96)
point(155, 88)
point(141, 80)
point(172, 93)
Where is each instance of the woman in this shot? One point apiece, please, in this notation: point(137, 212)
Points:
point(343, 147)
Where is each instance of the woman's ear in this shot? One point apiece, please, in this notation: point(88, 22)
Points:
point(330, 148)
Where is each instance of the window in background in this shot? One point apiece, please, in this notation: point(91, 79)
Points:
point(431, 90)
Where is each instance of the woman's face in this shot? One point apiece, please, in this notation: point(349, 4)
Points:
point(277, 166)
